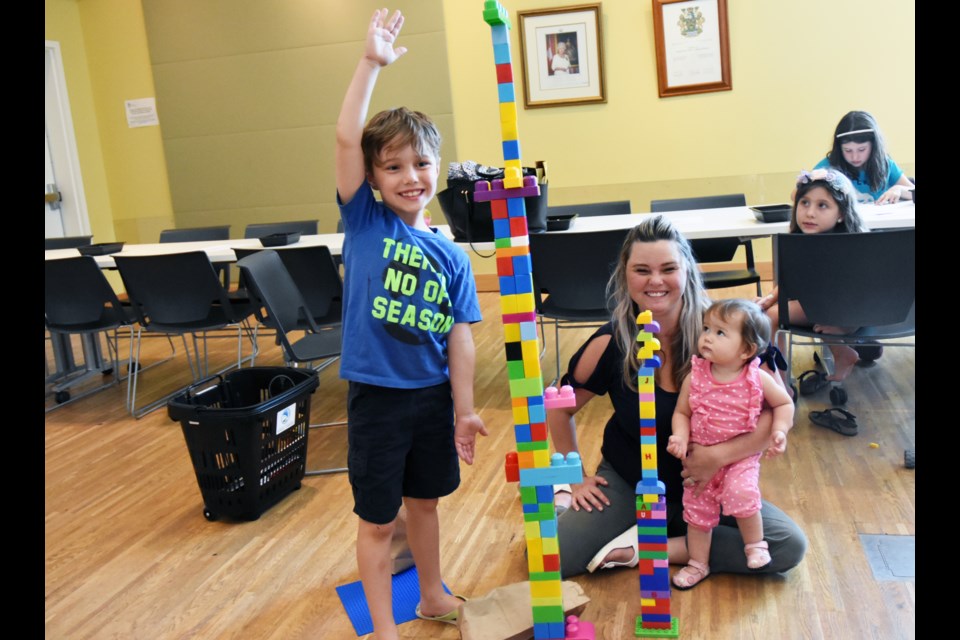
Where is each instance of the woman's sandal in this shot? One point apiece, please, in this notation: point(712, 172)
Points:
point(758, 555)
point(812, 381)
point(691, 575)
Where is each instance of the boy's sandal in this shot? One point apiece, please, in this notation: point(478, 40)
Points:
point(837, 419)
point(758, 555)
point(812, 381)
point(449, 617)
point(691, 575)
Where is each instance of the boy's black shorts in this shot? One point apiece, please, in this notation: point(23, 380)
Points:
point(400, 444)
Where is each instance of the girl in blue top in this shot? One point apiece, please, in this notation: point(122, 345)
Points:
point(860, 152)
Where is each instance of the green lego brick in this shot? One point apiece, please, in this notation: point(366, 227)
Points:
point(515, 370)
point(672, 632)
point(495, 13)
point(528, 495)
point(548, 614)
point(649, 531)
point(533, 446)
point(652, 555)
point(502, 243)
point(526, 387)
point(544, 576)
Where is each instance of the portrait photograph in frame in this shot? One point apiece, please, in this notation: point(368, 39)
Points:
point(693, 46)
point(561, 51)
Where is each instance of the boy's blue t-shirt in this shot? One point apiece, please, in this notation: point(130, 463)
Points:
point(865, 194)
point(403, 291)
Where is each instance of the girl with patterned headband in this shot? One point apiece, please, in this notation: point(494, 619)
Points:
point(859, 151)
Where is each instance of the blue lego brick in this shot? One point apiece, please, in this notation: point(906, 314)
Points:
point(648, 422)
point(511, 148)
point(499, 34)
point(528, 330)
point(523, 285)
point(505, 94)
point(531, 508)
point(522, 264)
point(654, 538)
point(656, 582)
point(501, 53)
point(508, 287)
point(657, 617)
point(537, 413)
point(562, 470)
point(548, 528)
point(646, 487)
point(501, 228)
point(544, 494)
point(558, 630)
point(516, 208)
point(522, 433)
point(541, 631)
point(643, 439)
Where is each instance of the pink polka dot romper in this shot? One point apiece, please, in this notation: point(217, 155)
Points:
point(720, 411)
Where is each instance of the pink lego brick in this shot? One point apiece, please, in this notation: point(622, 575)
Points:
point(554, 399)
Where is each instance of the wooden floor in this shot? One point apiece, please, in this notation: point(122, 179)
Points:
point(129, 554)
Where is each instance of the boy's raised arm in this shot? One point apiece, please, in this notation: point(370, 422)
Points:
point(378, 52)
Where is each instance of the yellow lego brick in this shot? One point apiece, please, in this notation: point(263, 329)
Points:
point(508, 304)
point(508, 114)
point(546, 602)
point(550, 546)
point(647, 602)
point(508, 128)
point(521, 415)
point(534, 556)
point(531, 530)
point(531, 367)
point(650, 497)
point(648, 410)
point(648, 452)
point(511, 332)
point(645, 317)
point(525, 302)
point(541, 458)
point(546, 589)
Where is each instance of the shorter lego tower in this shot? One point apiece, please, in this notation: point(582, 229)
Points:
point(654, 620)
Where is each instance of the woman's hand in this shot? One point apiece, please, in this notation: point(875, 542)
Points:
point(587, 495)
point(699, 466)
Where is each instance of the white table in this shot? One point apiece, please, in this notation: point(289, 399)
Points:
point(700, 223)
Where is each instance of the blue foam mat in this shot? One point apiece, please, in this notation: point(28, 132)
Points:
point(406, 595)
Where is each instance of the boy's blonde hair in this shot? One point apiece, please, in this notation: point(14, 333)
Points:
point(395, 129)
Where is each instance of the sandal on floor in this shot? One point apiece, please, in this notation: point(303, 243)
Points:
point(758, 555)
point(812, 381)
point(450, 617)
point(625, 540)
point(691, 575)
point(841, 421)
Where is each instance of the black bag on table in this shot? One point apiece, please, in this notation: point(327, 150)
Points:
point(472, 221)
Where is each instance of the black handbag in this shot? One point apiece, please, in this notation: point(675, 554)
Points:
point(472, 221)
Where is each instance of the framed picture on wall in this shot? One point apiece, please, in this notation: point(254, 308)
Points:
point(561, 51)
point(693, 46)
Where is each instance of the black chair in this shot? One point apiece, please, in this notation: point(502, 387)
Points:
point(280, 304)
point(201, 234)
point(708, 250)
point(316, 276)
point(864, 280)
point(78, 300)
point(196, 234)
point(613, 208)
point(305, 227)
point(180, 294)
point(69, 242)
point(575, 289)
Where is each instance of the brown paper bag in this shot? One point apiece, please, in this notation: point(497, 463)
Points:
point(505, 613)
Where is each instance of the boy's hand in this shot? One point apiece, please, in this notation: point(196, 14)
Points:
point(380, 38)
point(778, 444)
point(465, 435)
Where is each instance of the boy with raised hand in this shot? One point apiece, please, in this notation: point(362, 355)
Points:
point(408, 352)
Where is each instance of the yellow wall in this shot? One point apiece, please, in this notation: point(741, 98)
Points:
point(796, 68)
point(106, 63)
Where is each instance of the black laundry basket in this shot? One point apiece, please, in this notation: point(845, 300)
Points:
point(247, 437)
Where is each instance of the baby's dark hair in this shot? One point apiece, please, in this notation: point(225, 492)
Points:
point(395, 129)
point(840, 189)
point(860, 127)
point(755, 326)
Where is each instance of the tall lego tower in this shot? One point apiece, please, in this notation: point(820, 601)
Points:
point(654, 620)
point(531, 465)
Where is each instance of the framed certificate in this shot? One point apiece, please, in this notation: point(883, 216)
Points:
point(693, 46)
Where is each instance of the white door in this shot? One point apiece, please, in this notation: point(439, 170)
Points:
point(65, 214)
